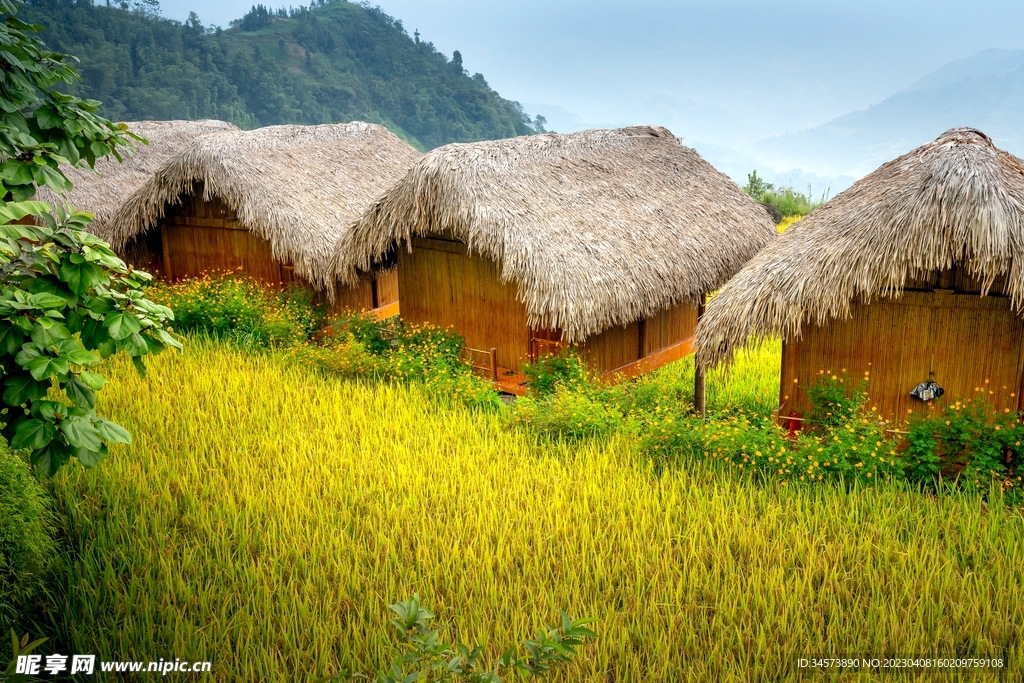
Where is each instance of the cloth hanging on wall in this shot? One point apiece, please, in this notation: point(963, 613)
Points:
point(926, 391)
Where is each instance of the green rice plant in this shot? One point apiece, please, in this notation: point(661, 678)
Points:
point(266, 515)
point(28, 550)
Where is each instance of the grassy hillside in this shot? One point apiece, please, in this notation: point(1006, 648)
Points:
point(265, 516)
point(337, 62)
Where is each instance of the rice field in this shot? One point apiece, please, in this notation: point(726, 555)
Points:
point(265, 516)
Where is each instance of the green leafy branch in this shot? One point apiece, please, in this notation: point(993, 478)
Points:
point(67, 302)
point(428, 659)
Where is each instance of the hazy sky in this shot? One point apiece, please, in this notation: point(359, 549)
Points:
point(720, 71)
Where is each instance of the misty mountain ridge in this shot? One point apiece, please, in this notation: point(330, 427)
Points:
point(984, 91)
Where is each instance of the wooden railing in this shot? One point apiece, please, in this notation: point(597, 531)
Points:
point(484, 362)
point(544, 347)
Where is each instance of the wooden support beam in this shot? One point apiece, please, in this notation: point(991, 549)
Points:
point(387, 311)
point(652, 362)
point(699, 388)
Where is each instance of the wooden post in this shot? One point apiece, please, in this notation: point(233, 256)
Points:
point(699, 393)
point(165, 247)
point(494, 364)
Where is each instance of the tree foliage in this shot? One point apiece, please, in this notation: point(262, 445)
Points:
point(335, 61)
point(66, 300)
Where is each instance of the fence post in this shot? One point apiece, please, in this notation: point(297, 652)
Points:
point(494, 364)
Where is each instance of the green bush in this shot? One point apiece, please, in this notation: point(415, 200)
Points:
point(970, 442)
point(548, 372)
point(236, 308)
point(788, 201)
point(414, 353)
point(27, 547)
point(570, 412)
point(835, 401)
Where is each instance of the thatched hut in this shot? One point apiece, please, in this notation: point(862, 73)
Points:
point(913, 273)
point(606, 240)
point(271, 202)
point(102, 191)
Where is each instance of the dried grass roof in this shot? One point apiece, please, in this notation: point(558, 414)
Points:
point(957, 200)
point(298, 187)
point(102, 191)
point(596, 229)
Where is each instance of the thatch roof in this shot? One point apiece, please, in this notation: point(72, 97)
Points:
point(957, 200)
point(596, 229)
point(102, 191)
point(298, 187)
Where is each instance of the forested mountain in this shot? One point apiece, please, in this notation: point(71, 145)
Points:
point(330, 62)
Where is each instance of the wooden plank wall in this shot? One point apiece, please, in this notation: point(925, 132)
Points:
point(357, 297)
point(439, 283)
point(972, 339)
point(669, 327)
point(387, 287)
point(198, 237)
point(204, 236)
point(618, 346)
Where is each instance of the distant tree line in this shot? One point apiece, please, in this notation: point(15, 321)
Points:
point(325, 62)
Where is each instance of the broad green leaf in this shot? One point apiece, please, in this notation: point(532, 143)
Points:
point(51, 411)
point(47, 300)
point(82, 357)
point(52, 457)
point(111, 432)
point(93, 381)
point(98, 304)
point(79, 277)
point(166, 338)
point(79, 393)
point(135, 345)
point(47, 332)
point(81, 433)
point(140, 366)
point(121, 325)
point(22, 389)
point(11, 338)
point(32, 434)
point(107, 348)
point(91, 458)
point(28, 353)
point(45, 367)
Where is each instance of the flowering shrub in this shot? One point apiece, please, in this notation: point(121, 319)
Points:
point(971, 442)
point(570, 412)
point(416, 353)
point(548, 372)
point(235, 308)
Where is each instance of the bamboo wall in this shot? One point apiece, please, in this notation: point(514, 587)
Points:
point(971, 342)
point(198, 237)
point(441, 284)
